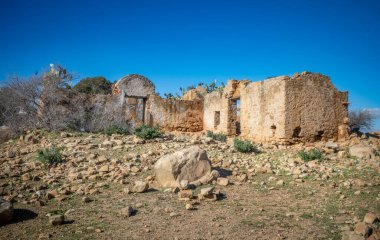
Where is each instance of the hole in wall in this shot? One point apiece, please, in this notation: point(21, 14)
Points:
point(318, 135)
point(296, 132)
point(216, 119)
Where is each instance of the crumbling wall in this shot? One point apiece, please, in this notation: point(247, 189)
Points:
point(215, 106)
point(174, 115)
point(262, 110)
point(314, 108)
point(134, 85)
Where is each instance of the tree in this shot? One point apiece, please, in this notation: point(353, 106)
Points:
point(94, 85)
point(361, 119)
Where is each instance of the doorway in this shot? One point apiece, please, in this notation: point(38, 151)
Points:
point(235, 115)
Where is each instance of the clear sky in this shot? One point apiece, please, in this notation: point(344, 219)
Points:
point(182, 42)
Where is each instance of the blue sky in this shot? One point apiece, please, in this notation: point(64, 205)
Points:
point(180, 43)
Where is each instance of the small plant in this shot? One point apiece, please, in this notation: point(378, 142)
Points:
point(146, 132)
point(314, 154)
point(244, 146)
point(115, 129)
point(50, 156)
point(217, 136)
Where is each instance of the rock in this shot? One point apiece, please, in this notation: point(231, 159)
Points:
point(349, 235)
point(6, 211)
point(190, 164)
point(140, 187)
point(185, 194)
point(107, 144)
point(184, 184)
point(362, 229)
point(56, 219)
point(222, 181)
point(104, 169)
point(206, 191)
point(26, 177)
point(11, 154)
point(127, 211)
point(242, 178)
point(189, 206)
point(86, 199)
point(332, 145)
point(362, 151)
point(370, 218)
point(280, 183)
point(342, 154)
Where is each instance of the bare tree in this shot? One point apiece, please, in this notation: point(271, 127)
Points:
point(19, 102)
point(361, 120)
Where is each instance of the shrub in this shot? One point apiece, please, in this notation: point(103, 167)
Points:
point(314, 154)
point(95, 85)
point(217, 136)
point(115, 129)
point(146, 132)
point(244, 146)
point(360, 120)
point(50, 156)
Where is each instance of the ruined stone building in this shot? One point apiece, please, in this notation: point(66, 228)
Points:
point(304, 107)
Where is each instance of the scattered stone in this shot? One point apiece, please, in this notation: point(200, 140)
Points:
point(185, 194)
point(189, 206)
point(184, 184)
point(56, 219)
point(6, 211)
point(140, 187)
point(127, 211)
point(280, 183)
point(86, 199)
point(242, 178)
point(362, 151)
point(206, 191)
point(370, 218)
point(362, 229)
point(104, 169)
point(222, 181)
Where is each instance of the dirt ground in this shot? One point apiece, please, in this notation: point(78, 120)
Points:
point(315, 206)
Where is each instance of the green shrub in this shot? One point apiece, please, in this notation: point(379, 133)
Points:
point(314, 154)
point(146, 132)
point(50, 156)
point(115, 129)
point(217, 136)
point(244, 146)
point(95, 85)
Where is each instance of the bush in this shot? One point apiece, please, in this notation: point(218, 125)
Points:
point(314, 154)
point(146, 132)
point(244, 146)
point(95, 85)
point(362, 119)
point(50, 156)
point(217, 136)
point(115, 129)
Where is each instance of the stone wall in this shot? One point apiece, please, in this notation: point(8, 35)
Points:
point(215, 103)
point(263, 110)
point(174, 115)
point(314, 108)
point(305, 107)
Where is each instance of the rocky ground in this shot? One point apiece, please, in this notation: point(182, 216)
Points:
point(106, 189)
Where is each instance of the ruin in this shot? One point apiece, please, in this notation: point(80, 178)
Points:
point(305, 107)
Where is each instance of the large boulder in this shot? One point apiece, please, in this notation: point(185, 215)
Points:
point(191, 164)
point(6, 211)
point(362, 151)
